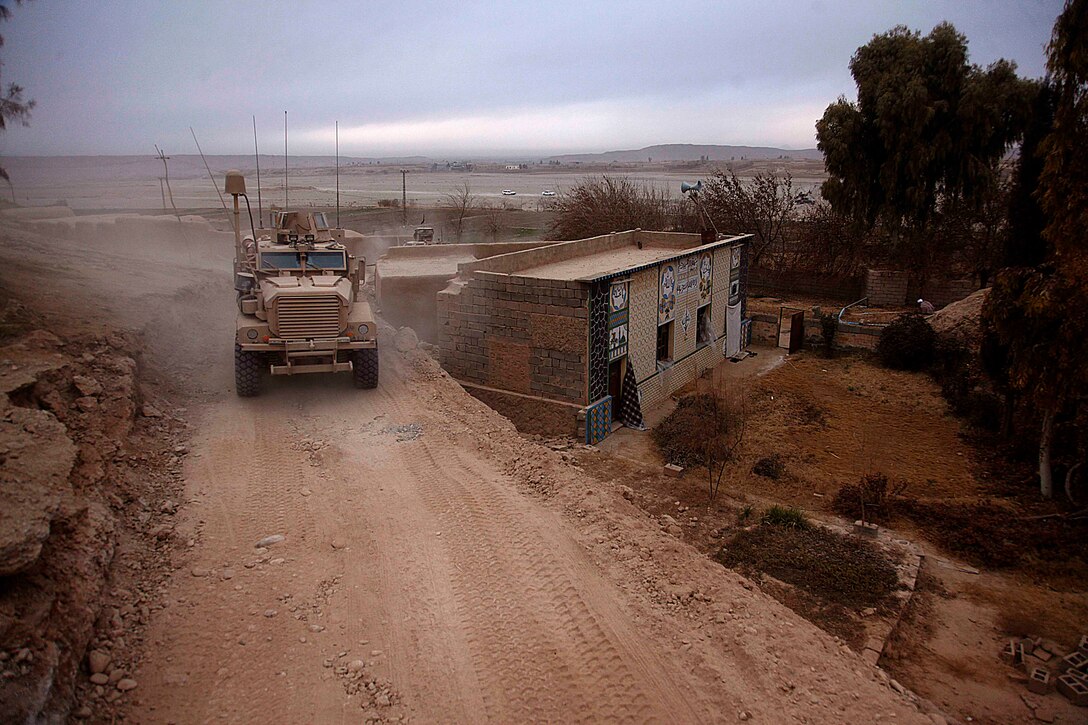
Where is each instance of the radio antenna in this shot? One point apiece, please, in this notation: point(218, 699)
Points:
point(285, 197)
point(337, 127)
point(257, 157)
point(208, 169)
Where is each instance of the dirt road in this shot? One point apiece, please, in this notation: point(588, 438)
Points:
point(434, 565)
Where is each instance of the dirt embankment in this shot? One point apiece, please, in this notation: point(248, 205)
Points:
point(86, 500)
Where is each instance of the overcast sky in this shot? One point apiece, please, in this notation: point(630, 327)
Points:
point(460, 77)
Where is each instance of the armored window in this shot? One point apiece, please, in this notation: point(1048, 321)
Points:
point(325, 260)
point(280, 260)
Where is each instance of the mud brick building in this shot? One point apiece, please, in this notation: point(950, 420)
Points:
point(560, 338)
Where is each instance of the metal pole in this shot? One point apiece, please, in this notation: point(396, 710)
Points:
point(257, 157)
point(404, 196)
point(337, 127)
point(285, 197)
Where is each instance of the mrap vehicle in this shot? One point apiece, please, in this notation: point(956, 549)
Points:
point(299, 304)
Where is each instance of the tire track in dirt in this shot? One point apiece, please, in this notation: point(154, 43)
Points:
point(543, 653)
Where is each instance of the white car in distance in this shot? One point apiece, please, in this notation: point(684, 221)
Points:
point(509, 192)
point(547, 192)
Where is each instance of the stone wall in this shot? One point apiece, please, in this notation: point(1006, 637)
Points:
point(886, 287)
point(943, 292)
point(771, 282)
point(527, 336)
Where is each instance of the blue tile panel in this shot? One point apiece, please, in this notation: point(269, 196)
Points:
point(599, 420)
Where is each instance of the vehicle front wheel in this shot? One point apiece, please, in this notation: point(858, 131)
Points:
point(365, 367)
point(248, 369)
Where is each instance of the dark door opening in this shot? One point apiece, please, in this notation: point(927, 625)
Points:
point(615, 385)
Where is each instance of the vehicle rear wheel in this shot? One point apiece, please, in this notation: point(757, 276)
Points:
point(248, 368)
point(365, 364)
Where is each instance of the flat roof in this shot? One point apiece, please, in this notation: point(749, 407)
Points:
point(422, 266)
point(601, 264)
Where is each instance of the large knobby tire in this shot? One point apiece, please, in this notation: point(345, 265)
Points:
point(248, 368)
point(365, 364)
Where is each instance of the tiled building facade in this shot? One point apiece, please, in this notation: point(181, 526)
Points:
point(547, 335)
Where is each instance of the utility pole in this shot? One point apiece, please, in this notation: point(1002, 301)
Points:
point(166, 171)
point(404, 196)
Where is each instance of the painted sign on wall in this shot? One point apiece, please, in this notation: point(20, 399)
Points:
point(681, 281)
point(618, 314)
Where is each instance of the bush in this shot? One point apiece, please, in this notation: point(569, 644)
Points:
point(683, 435)
point(872, 491)
point(829, 325)
point(785, 516)
point(389, 203)
point(770, 467)
point(907, 343)
point(839, 568)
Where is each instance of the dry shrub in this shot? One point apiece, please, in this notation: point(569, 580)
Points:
point(771, 467)
point(683, 435)
point(838, 568)
point(871, 499)
point(609, 204)
point(995, 536)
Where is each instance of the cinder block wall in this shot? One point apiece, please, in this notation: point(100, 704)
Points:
point(886, 287)
point(523, 335)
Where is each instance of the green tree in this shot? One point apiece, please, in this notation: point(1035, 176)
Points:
point(928, 128)
point(13, 107)
point(1034, 312)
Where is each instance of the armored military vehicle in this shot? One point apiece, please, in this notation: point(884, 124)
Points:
point(299, 303)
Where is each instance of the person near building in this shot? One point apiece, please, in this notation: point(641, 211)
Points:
point(926, 308)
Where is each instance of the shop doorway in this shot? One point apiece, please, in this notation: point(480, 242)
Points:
point(615, 384)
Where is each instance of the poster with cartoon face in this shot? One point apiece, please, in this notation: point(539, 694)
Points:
point(618, 298)
point(706, 277)
point(666, 303)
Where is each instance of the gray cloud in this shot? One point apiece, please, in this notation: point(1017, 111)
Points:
point(451, 78)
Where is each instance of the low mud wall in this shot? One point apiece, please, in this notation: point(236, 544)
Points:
point(529, 414)
point(847, 336)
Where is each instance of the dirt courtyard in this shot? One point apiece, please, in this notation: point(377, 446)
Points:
point(830, 422)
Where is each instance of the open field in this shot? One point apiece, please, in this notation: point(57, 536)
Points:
point(132, 183)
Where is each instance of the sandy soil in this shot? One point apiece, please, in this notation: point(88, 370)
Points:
point(833, 421)
point(435, 565)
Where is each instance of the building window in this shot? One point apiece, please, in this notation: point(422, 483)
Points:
point(664, 342)
point(703, 333)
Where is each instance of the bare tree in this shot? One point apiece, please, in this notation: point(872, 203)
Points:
point(493, 221)
point(461, 201)
point(720, 435)
point(610, 204)
point(763, 207)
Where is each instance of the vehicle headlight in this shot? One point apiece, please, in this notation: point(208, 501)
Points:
point(363, 329)
point(251, 334)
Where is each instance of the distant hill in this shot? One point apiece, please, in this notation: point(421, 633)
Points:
point(688, 152)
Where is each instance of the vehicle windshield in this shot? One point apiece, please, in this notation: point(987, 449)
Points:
point(319, 220)
point(326, 260)
point(280, 260)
